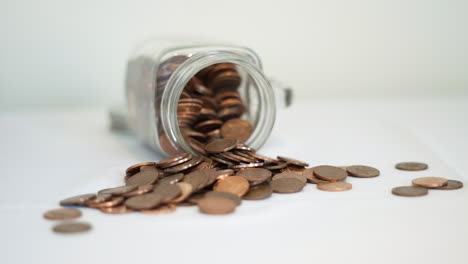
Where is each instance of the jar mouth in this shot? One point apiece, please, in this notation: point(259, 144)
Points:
point(195, 63)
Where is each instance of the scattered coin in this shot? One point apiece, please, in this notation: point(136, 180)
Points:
point(430, 182)
point(71, 227)
point(216, 205)
point(119, 190)
point(189, 164)
point(309, 174)
point(144, 202)
point(287, 185)
point(330, 173)
point(362, 171)
point(411, 166)
point(335, 186)
point(234, 184)
point(185, 189)
point(255, 175)
point(78, 200)
point(293, 161)
point(162, 209)
point(167, 191)
point(259, 192)
point(300, 177)
point(143, 178)
point(409, 191)
point(136, 168)
point(451, 185)
point(227, 195)
point(121, 209)
point(62, 214)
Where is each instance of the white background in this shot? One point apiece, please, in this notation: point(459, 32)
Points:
point(73, 53)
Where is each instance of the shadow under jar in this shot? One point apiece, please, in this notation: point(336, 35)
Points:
point(180, 95)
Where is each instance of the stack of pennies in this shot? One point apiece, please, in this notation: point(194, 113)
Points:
point(421, 185)
point(217, 183)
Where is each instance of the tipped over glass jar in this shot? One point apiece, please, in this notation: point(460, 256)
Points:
point(182, 95)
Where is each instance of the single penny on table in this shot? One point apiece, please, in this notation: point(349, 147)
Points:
point(71, 227)
point(362, 171)
point(411, 166)
point(409, 191)
point(62, 214)
point(451, 185)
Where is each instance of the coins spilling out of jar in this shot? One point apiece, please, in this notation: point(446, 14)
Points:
point(209, 113)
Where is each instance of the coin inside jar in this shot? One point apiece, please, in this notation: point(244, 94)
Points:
point(236, 129)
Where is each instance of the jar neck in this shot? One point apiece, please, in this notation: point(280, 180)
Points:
point(182, 75)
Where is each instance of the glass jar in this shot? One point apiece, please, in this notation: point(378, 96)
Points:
point(159, 70)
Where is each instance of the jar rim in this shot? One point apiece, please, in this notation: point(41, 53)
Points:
point(197, 62)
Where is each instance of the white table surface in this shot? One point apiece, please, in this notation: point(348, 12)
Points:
point(49, 155)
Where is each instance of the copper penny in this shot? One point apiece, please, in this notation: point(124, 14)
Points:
point(121, 209)
point(143, 178)
point(248, 165)
point(255, 175)
point(234, 184)
point(293, 161)
point(144, 202)
point(224, 173)
point(293, 168)
point(263, 158)
point(309, 174)
point(221, 145)
point(167, 191)
point(119, 190)
point(335, 186)
point(162, 209)
point(227, 195)
point(300, 177)
point(362, 171)
point(451, 185)
point(71, 227)
point(409, 191)
point(237, 129)
point(199, 179)
point(172, 159)
point(287, 185)
point(177, 162)
point(62, 214)
point(142, 189)
point(208, 125)
point(111, 203)
point(181, 167)
point(276, 166)
point(134, 169)
point(259, 192)
point(78, 200)
point(216, 205)
point(185, 189)
point(430, 182)
point(411, 166)
point(330, 173)
point(172, 179)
